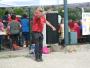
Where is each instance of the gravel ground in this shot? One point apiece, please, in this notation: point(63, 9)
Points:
point(22, 59)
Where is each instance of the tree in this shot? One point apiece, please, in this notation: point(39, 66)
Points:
point(2, 11)
point(75, 13)
point(19, 11)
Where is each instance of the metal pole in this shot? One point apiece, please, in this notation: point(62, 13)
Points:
point(30, 26)
point(66, 34)
point(82, 9)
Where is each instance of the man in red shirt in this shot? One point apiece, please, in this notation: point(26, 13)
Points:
point(71, 24)
point(37, 28)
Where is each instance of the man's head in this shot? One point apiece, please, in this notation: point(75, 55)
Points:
point(70, 20)
point(39, 9)
point(25, 16)
point(38, 12)
point(13, 17)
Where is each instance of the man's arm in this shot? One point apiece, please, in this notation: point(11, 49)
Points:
point(50, 25)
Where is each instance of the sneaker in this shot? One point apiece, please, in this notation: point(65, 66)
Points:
point(31, 53)
point(39, 60)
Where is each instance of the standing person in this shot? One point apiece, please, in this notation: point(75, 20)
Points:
point(61, 32)
point(76, 29)
point(37, 28)
point(25, 29)
point(71, 25)
point(5, 19)
point(1, 30)
point(14, 30)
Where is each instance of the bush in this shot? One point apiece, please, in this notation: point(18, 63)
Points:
point(18, 11)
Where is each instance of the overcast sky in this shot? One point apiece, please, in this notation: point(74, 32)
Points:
point(39, 2)
point(69, 1)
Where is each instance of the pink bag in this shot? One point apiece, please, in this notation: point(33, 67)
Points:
point(45, 50)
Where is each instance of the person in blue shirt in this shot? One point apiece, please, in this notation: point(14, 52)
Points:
point(25, 29)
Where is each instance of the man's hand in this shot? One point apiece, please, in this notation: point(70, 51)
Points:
point(53, 28)
point(50, 25)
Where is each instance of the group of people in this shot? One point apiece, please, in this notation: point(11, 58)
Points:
point(12, 26)
point(15, 26)
point(73, 26)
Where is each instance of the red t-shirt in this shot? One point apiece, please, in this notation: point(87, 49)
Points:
point(71, 25)
point(76, 28)
point(38, 24)
point(17, 19)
